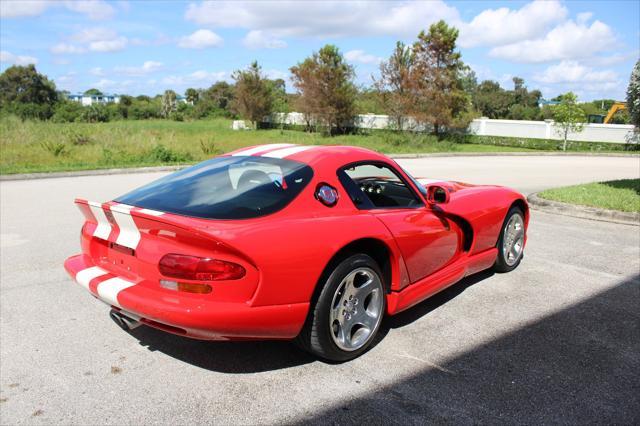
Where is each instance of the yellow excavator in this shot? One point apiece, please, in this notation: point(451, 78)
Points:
point(617, 106)
point(598, 118)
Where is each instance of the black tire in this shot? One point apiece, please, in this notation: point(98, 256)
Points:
point(316, 336)
point(502, 265)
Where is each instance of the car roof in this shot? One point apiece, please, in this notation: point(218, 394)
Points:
point(313, 155)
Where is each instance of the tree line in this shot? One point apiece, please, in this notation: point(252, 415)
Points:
point(425, 85)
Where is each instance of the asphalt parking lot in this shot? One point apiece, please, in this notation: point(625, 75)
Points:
point(556, 341)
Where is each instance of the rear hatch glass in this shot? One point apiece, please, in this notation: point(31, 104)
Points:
point(236, 187)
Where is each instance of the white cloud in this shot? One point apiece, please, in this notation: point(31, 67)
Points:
point(260, 40)
point(584, 17)
point(94, 34)
point(97, 71)
point(147, 67)
point(196, 77)
point(19, 9)
point(276, 74)
point(362, 57)
point(66, 48)
point(104, 83)
point(92, 39)
point(294, 18)
point(574, 72)
point(66, 81)
point(92, 9)
point(494, 27)
point(569, 40)
point(200, 39)
point(113, 45)
point(613, 59)
point(114, 86)
point(10, 58)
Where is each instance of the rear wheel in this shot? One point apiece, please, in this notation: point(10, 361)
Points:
point(511, 242)
point(347, 314)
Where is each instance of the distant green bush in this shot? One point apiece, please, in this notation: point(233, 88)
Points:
point(162, 154)
point(67, 112)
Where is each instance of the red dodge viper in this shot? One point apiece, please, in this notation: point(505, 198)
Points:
point(280, 241)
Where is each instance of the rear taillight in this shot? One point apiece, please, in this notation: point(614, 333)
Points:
point(199, 268)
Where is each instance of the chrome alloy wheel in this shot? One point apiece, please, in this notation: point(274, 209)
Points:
point(513, 240)
point(356, 309)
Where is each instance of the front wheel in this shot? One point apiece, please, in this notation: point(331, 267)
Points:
point(511, 242)
point(347, 314)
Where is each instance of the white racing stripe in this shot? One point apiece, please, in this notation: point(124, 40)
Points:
point(104, 227)
point(150, 212)
point(261, 148)
point(129, 235)
point(85, 276)
point(285, 152)
point(425, 181)
point(108, 290)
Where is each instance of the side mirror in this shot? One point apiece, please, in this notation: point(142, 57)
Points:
point(437, 195)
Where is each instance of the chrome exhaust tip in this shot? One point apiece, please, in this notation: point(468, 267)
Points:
point(123, 321)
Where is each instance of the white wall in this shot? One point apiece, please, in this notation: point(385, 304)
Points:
point(612, 133)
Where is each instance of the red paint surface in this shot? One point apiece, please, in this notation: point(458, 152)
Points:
point(284, 254)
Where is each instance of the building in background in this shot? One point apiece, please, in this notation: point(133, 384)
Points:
point(87, 100)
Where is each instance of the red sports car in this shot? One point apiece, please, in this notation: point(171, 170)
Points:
point(280, 241)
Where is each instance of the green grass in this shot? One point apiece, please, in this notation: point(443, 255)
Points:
point(622, 195)
point(34, 146)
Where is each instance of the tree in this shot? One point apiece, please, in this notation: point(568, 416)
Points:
point(519, 90)
point(327, 92)
point(93, 92)
point(633, 96)
point(25, 85)
point(253, 99)
point(395, 84)
point(469, 80)
point(491, 100)
point(439, 97)
point(192, 95)
point(169, 102)
point(221, 94)
point(568, 117)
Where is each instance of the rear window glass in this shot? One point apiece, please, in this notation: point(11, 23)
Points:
point(225, 188)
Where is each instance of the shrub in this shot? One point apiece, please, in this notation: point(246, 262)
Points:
point(79, 139)
point(67, 112)
point(55, 148)
point(95, 114)
point(176, 116)
point(209, 147)
point(30, 111)
point(166, 155)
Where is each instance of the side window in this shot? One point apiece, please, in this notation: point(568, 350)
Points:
point(380, 187)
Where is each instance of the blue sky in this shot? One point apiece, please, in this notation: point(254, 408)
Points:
point(145, 47)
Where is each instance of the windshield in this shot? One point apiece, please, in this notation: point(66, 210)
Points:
point(225, 188)
point(418, 185)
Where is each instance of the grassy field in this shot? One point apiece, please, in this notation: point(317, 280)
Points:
point(45, 147)
point(622, 195)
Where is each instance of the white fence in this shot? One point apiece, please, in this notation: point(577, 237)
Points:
point(612, 133)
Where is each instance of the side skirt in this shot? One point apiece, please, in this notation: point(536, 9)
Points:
point(398, 301)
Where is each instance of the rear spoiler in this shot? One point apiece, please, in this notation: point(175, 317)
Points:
point(114, 221)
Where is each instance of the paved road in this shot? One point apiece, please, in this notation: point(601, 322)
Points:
point(557, 340)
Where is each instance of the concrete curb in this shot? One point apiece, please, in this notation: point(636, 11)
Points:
point(584, 212)
point(512, 154)
point(95, 172)
point(100, 172)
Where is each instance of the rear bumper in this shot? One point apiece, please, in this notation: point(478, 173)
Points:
point(187, 315)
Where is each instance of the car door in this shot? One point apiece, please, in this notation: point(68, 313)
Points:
point(428, 240)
